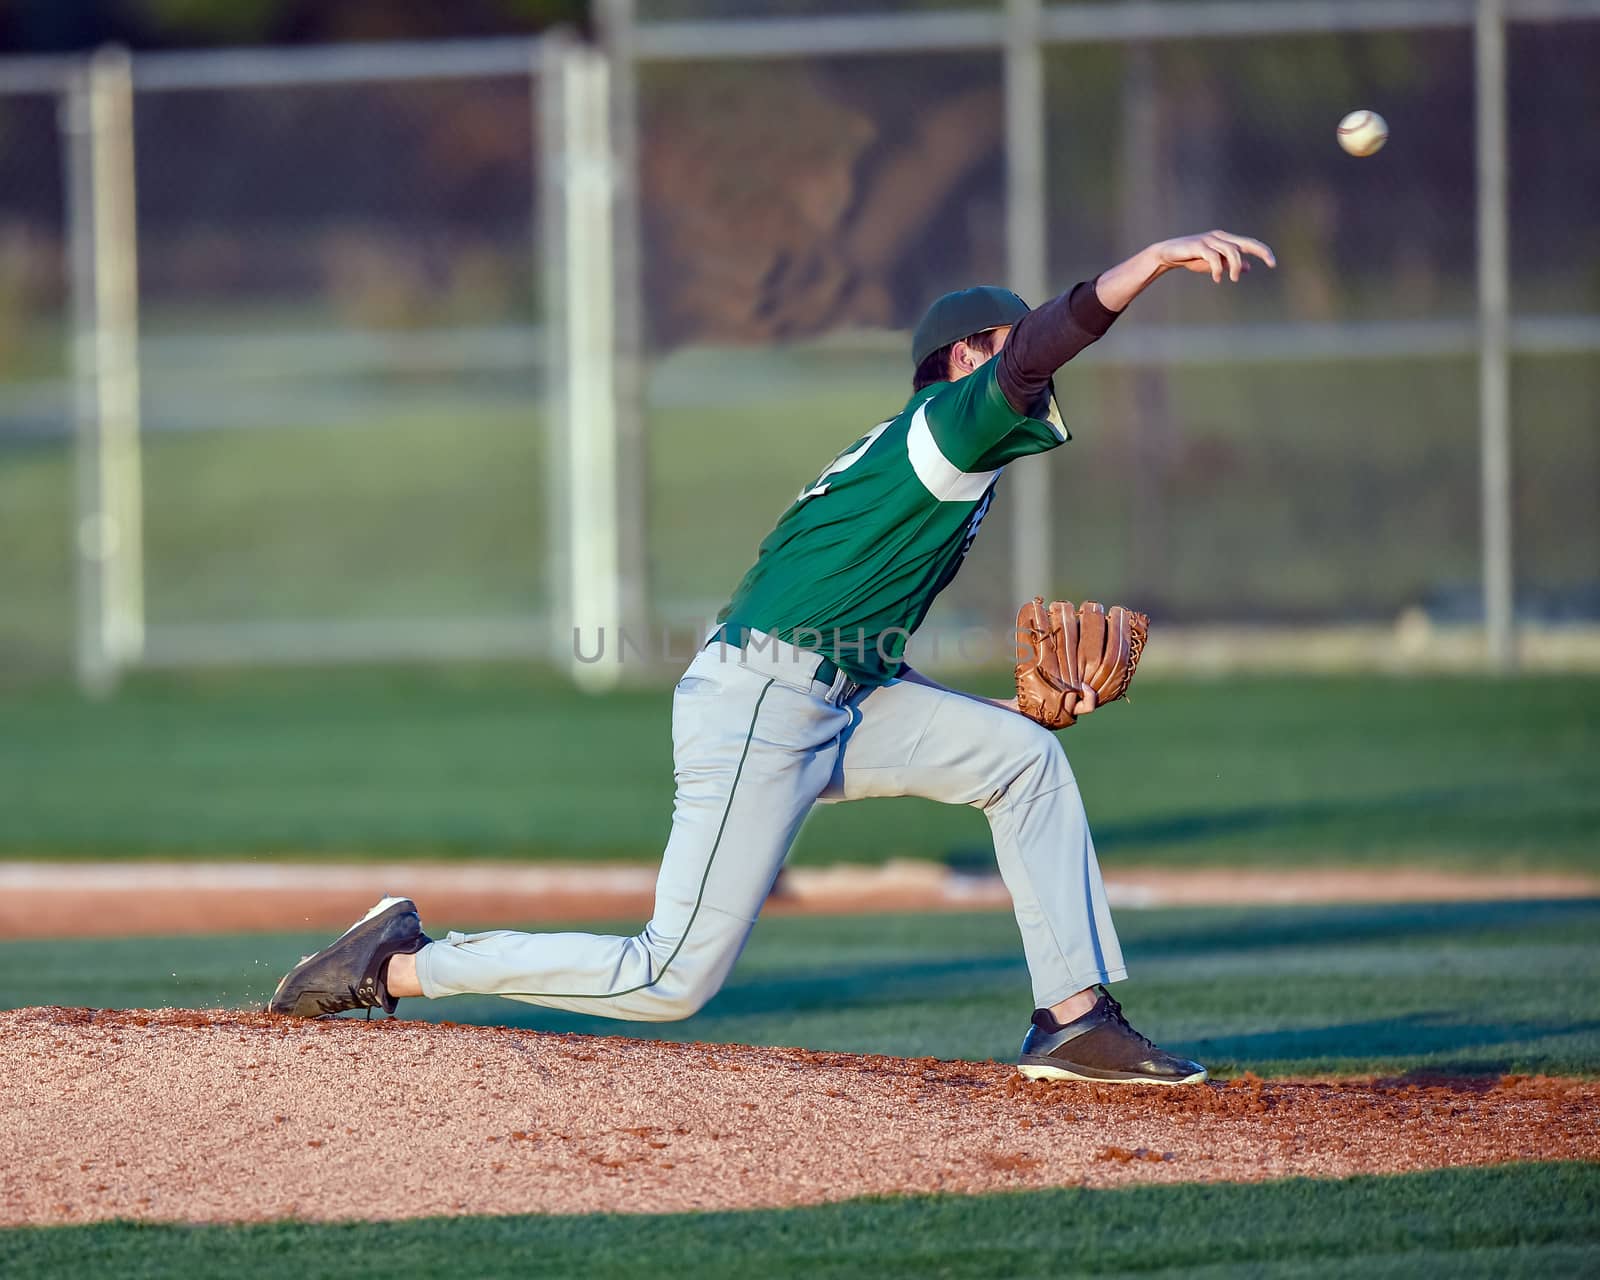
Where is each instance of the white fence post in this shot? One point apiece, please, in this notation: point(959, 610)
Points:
point(1494, 334)
point(549, 160)
point(618, 21)
point(584, 434)
point(1031, 510)
point(108, 527)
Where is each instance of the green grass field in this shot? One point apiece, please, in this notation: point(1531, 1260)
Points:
point(1462, 988)
point(1531, 1220)
point(498, 762)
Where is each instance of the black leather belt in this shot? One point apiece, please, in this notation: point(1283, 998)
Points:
point(733, 633)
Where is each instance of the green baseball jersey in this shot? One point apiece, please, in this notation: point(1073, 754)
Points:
point(855, 563)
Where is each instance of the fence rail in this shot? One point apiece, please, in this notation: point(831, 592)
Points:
point(894, 33)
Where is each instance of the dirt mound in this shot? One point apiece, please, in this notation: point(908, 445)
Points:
point(220, 1116)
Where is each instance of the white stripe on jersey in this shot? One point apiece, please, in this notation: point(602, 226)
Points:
point(1057, 423)
point(939, 476)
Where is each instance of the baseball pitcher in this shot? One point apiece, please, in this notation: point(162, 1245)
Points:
point(802, 695)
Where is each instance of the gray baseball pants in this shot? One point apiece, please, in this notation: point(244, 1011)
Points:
point(756, 742)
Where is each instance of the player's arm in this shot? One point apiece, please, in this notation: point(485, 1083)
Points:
point(1213, 253)
point(1050, 335)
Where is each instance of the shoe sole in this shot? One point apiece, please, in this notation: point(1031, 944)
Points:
point(1062, 1073)
point(384, 904)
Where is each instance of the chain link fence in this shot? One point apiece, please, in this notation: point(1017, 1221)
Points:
point(357, 361)
point(339, 402)
point(341, 357)
point(796, 219)
point(1305, 450)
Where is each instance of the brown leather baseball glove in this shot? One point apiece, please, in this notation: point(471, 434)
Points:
point(1070, 661)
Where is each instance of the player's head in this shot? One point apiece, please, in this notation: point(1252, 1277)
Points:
point(962, 330)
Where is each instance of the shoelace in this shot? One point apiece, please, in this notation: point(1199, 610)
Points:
point(355, 1000)
point(1115, 1011)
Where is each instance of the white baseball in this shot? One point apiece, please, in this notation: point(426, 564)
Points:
point(1361, 133)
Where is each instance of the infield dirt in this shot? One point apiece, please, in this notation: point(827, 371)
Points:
point(74, 900)
point(216, 1116)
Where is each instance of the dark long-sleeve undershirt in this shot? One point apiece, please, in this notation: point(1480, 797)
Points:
point(1045, 339)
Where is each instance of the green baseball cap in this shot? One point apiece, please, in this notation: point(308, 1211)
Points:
point(959, 315)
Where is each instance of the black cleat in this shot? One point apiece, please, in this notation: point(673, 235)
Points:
point(348, 972)
point(1100, 1047)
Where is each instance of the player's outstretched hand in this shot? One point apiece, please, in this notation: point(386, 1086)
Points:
point(1215, 253)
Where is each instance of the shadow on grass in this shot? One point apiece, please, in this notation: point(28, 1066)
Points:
point(1268, 928)
point(1407, 1036)
point(1372, 814)
point(1180, 828)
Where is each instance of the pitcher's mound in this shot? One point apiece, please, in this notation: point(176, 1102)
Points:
point(222, 1116)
